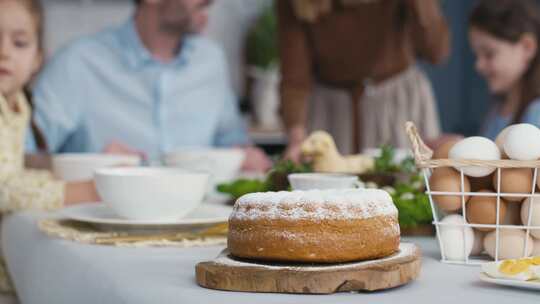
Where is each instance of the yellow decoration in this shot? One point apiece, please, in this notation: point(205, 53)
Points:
point(320, 146)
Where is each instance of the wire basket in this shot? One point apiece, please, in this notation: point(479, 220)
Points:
point(425, 163)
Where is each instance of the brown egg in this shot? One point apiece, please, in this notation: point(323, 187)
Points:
point(442, 151)
point(517, 180)
point(448, 180)
point(479, 183)
point(513, 214)
point(483, 210)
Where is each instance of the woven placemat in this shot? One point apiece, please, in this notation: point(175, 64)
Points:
point(84, 233)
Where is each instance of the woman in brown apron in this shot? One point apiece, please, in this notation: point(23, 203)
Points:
point(348, 67)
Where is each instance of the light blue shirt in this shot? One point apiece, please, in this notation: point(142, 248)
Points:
point(107, 87)
point(495, 122)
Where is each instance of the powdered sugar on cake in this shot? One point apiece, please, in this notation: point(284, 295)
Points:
point(315, 204)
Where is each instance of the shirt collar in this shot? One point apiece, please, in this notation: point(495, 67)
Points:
point(136, 53)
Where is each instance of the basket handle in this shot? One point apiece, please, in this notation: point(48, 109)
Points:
point(421, 151)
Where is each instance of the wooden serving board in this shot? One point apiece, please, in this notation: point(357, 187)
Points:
point(228, 273)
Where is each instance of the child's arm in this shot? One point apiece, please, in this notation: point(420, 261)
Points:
point(80, 192)
point(38, 190)
point(30, 190)
point(38, 161)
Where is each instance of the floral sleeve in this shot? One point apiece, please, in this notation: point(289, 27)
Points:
point(22, 189)
point(31, 190)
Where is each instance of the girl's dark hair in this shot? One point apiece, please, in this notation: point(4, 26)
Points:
point(508, 20)
point(41, 143)
point(36, 10)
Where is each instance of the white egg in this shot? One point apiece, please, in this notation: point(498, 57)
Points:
point(478, 245)
point(535, 215)
point(500, 139)
point(536, 248)
point(457, 241)
point(511, 244)
point(536, 271)
point(475, 147)
point(522, 142)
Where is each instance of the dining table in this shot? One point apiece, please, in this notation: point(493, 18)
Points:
point(45, 269)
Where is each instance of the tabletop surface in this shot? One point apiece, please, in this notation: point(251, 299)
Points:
point(47, 270)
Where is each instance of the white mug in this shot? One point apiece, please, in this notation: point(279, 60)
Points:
point(321, 181)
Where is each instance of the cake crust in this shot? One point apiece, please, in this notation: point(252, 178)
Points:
point(314, 226)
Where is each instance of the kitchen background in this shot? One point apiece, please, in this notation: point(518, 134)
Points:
point(461, 94)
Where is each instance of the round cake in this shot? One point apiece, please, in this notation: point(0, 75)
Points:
point(316, 226)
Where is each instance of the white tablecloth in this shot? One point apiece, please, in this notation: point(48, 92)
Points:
point(47, 270)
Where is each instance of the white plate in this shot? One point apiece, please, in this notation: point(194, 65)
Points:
point(101, 214)
point(521, 284)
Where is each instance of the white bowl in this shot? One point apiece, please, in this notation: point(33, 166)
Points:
point(223, 164)
point(81, 166)
point(151, 193)
point(311, 181)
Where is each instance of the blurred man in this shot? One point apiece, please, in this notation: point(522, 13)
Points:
point(152, 85)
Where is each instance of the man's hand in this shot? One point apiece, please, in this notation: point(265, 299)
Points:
point(116, 147)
